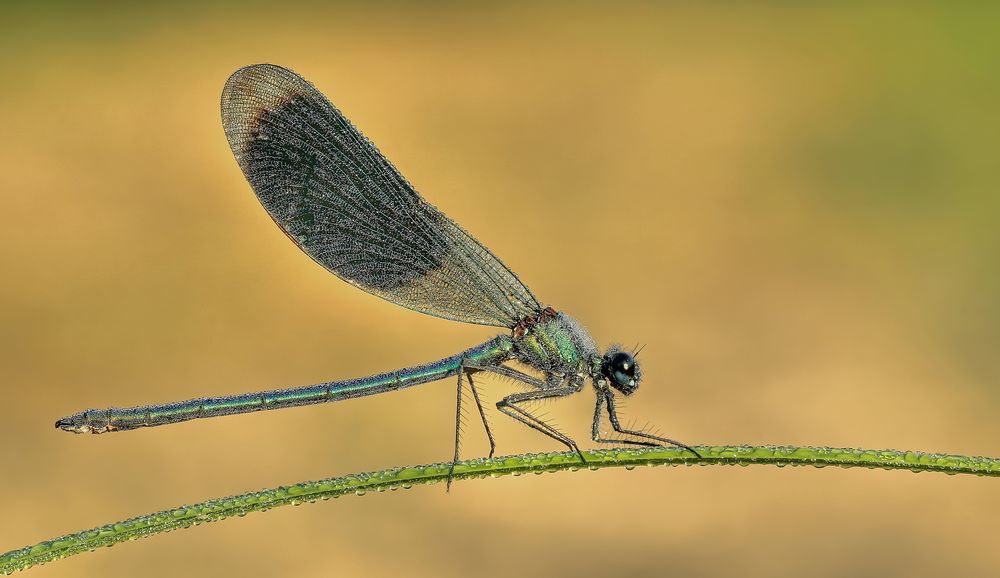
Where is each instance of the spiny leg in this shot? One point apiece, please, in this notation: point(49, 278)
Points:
point(509, 372)
point(509, 406)
point(458, 430)
point(468, 368)
point(505, 371)
point(595, 430)
point(482, 414)
point(613, 416)
point(537, 424)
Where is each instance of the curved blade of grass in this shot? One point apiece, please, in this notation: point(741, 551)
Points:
point(218, 509)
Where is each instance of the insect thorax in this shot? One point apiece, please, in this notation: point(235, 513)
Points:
point(554, 342)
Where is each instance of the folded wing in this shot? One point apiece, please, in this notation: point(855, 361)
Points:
point(348, 208)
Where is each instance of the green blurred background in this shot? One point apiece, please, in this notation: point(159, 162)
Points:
point(794, 207)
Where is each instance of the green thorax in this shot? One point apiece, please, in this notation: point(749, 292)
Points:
point(554, 342)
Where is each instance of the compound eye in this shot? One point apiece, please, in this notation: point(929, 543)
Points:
point(622, 368)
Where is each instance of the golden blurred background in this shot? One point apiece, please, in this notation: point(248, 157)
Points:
point(794, 207)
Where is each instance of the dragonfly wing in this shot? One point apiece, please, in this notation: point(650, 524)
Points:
point(348, 208)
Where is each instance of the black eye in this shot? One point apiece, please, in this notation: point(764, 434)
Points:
point(620, 368)
point(623, 363)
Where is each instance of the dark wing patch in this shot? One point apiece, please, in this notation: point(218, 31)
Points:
point(349, 209)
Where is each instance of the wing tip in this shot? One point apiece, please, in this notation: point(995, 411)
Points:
point(250, 92)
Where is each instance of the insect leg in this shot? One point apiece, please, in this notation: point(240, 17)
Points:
point(458, 430)
point(468, 369)
point(510, 406)
point(509, 372)
point(613, 416)
point(482, 414)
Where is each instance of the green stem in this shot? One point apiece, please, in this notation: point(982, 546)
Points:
point(212, 510)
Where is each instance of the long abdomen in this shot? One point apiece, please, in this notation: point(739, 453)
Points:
point(98, 421)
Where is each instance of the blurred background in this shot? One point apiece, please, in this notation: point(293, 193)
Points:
point(793, 207)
